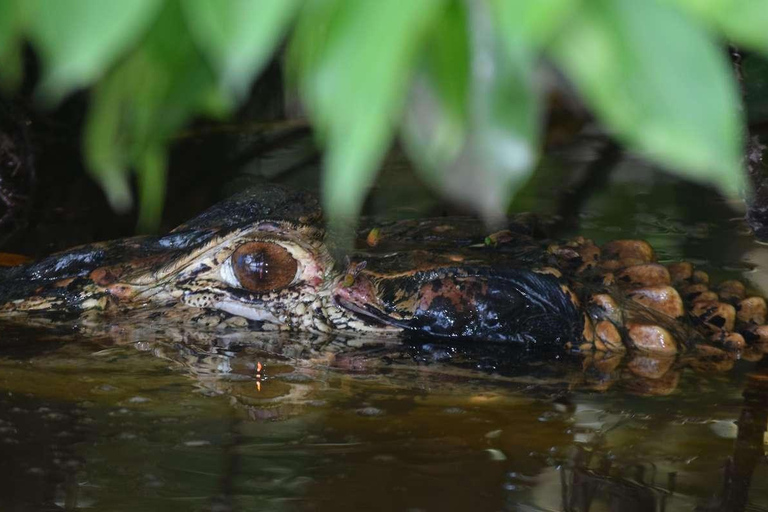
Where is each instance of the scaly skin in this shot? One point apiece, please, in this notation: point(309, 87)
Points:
point(633, 301)
point(432, 278)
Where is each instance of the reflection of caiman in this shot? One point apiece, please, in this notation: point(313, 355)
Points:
point(258, 261)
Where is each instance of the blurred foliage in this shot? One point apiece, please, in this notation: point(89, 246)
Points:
point(464, 83)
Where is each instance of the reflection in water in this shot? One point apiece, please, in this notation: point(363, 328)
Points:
point(279, 423)
point(749, 448)
point(589, 485)
point(585, 489)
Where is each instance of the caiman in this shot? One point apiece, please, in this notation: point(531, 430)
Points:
point(259, 261)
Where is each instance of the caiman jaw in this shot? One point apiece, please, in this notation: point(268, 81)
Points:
point(358, 301)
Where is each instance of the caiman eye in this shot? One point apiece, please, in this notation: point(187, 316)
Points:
point(263, 266)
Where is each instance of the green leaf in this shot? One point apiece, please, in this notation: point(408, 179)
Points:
point(141, 104)
point(104, 144)
point(79, 39)
point(660, 84)
point(436, 119)
point(238, 36)
point(313, 30)
point(482, 157)
point(353, 74)
point(744, 22)
point(533, 21)
point(11, 24)
point(447, 56)
point(151, 177)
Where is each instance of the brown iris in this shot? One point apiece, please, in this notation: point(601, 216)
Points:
point(263, 266)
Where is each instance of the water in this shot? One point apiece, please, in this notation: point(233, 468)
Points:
point(89, 425)
point(185, 421)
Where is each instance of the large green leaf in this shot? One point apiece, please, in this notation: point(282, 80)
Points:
point(436, 120)
point(534, 21)
point(353, 77)
point(105, 143)
point(446, 57)
point(238, 36)
point(744, 22)
point(659, 83)
point(79, 39)
point(473, 121)
point(312, 33)
point(140, 104)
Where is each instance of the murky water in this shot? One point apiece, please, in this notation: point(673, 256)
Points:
point(181, 421)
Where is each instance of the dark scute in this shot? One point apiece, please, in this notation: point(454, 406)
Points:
point(518, 305)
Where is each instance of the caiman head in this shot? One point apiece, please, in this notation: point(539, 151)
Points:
point(259, 261)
